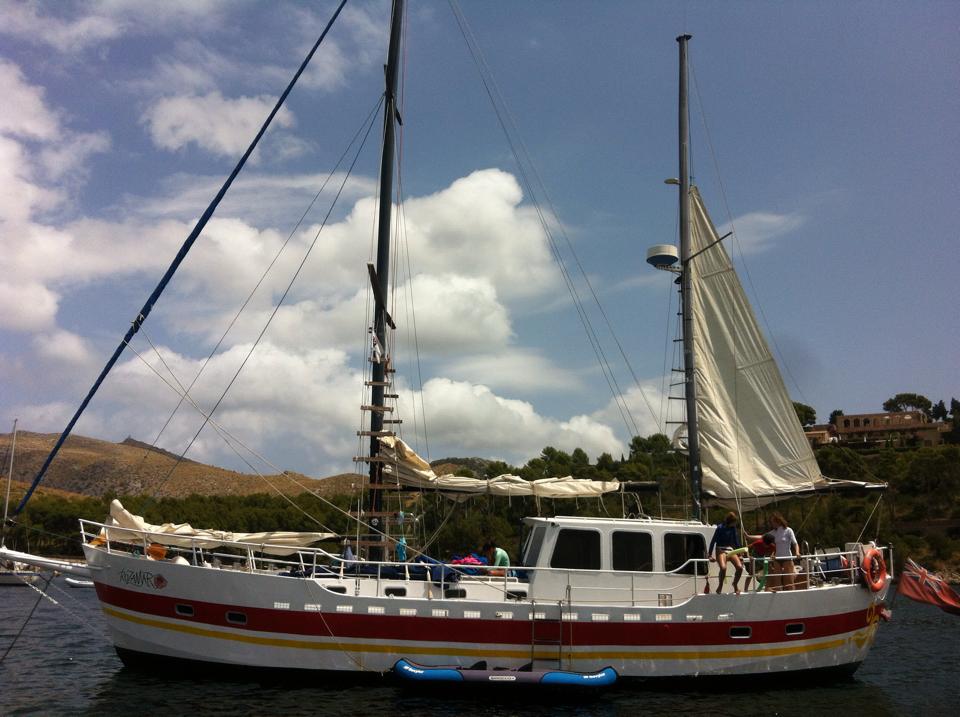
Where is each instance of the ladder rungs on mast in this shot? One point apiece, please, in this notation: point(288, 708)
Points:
point(376, 433)
point(391, 395)
point(377, 409)
point(377, 383)
point(370, 459)
point(393, 420)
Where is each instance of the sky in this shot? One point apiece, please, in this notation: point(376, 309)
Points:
point(824, 134)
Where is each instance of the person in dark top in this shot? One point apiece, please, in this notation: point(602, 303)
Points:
point(724, 546)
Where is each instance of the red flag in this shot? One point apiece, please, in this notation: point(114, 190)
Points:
point(919, 584)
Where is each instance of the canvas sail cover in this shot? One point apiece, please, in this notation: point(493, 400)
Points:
point(130, 528)
point(752, 445)
point(409, 469)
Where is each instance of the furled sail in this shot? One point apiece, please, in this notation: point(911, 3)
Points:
point(753, 448)
point(124, 526)
point(409, 469)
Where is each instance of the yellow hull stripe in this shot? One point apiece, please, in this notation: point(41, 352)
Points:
point(408, 649)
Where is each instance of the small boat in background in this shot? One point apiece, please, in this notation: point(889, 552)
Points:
point(79, 583)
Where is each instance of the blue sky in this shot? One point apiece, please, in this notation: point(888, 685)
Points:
point(833, 126)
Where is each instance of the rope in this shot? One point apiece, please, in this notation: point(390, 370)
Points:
point(507, 123)
point(260, 281)
point(25, 622)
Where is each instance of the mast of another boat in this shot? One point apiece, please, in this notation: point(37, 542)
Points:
point(6, 500)
point(380, 279)
point(686, 284)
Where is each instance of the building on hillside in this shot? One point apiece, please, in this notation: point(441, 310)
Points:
point(891, 429)
point(821, 434)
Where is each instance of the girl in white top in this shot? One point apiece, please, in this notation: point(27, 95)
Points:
point(787, 549)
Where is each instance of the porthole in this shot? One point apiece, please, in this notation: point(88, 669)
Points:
point(455, 593)
point(183, 610)
point(236, 618)
point(740, 632)
point(339, 589)
point(794, 628)
point(395, 592)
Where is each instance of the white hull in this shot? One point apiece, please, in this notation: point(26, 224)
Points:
point(268, 621)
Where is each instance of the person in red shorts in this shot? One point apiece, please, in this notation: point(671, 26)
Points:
point(760, 549)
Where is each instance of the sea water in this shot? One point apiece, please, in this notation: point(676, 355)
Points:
point(63, 662)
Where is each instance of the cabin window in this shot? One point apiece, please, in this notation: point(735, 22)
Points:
point(532, 550)
point(184, 610)
point(237, 618)
point(679, 548)
point(341, 589)
point(741, 632)
point(794, 628)
point(395, 592)
point(632, 551)
point(577, 549)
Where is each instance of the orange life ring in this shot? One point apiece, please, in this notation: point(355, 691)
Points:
point(874, 570)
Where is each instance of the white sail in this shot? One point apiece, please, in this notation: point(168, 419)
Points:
point(127, 527)
point(409, 469)
point(753, 448)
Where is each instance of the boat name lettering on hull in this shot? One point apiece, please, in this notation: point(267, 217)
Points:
point(143, 578)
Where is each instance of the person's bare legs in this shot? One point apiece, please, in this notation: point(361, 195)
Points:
point(738, 567)
point(722, 565)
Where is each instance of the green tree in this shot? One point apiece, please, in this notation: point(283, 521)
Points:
point(805, 414)
point(655, 444)
point(907, 402)
point(834, 415)
point(939, 411)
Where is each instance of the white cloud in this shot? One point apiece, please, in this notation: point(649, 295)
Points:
point(29, 22)
point(757, 231)
point(71, 155)
point(648, 407)
point(470, 419)
point(63, 347)
point(218, 124)
point(285, 402)
point(513, 369)
point(263, 200)
point(26, 306)
point(23, 112)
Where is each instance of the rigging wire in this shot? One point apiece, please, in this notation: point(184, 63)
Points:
point(279, 303)
point(26, 622)
point(174, 265)
point(262, 278)
point(746, 269)
point(523, 158)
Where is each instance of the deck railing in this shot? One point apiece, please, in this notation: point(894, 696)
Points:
point(604, 587)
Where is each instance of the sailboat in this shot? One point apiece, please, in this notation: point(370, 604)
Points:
point(591, 596)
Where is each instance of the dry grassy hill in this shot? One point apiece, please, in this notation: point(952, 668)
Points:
point(92, 467)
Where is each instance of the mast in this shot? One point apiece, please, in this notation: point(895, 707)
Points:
point(6, 500)
point(381, 278)
point(686, 284)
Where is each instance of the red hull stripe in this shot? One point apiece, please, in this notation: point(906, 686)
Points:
point(479, 631)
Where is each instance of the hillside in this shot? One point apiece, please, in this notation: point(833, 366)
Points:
point(91, 467)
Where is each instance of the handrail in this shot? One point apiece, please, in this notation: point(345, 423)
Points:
point(812, 564)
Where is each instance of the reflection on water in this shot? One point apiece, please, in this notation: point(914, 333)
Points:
point(64, 662)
